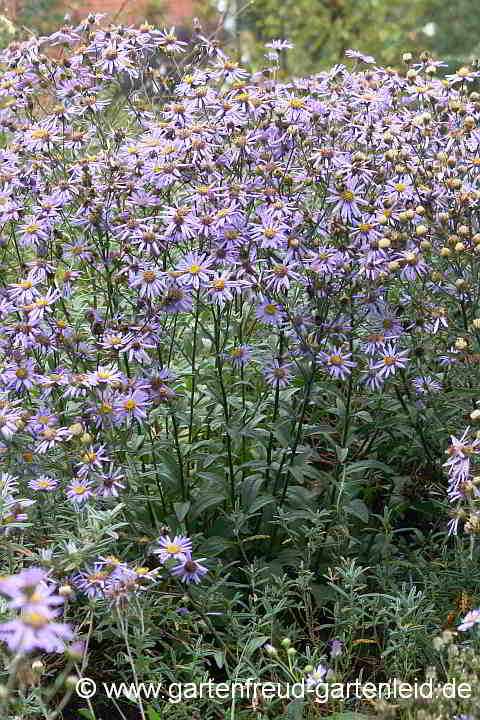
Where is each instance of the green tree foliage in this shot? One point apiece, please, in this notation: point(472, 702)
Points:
point(323, 29)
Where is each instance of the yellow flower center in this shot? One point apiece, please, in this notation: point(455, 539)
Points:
point(35, 619)
point(130, 404)
point(194, 269)
point(173, 548)
point(219, 284)
point(270, 309)
point(336, 359)
point(347, 195)
point(21, 373)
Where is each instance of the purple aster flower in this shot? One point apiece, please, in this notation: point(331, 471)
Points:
point(150, 281)
point(43, 483)
point(356, 55)
point(392, 360)
point(177, 549)
point(132, 405)
point(425, 384)
point(30, 590)
point(110, 483)
point(104, 375)
point(270, 313)
point(189, 570)
point(9, 417)
point(338, 363)
point(195, 270)
point(472, 618)
point(92, 581)
point(79, 491)
point(316, 677)
point(20, 376)
point(238, 356)
point(176, 299)
point(370, 377)
point(49, 438)
point(92, 459)
point(278, 374)
point(348, 200)
point(35, 630)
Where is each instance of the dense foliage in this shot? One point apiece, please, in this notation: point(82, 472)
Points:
point(239, 322)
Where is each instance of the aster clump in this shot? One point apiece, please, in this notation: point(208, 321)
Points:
point(32, 593)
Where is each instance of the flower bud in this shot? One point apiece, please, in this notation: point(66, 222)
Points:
point(286, 642)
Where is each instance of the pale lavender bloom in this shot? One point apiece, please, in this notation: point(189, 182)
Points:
point(278, 375)
point(392, 360)
point(316, 677)
point(92, 459)
point(49, 438)
point(43, 483)
point(471, 618)
point(104, 375)
point(336, 648)
point(270, 312)
point(79, 491)
point(29, 590)
point(110, 483)
point(195, 270)
point(425, 384)
point(347, 201)
point(370, 377)
point(458, 463)
point(238, 356)
point(280, 276)
point(8, 484)
point(356, 55)
point(176, 299)
point(222, 288)
point(20, 376)
point(9, 417)
point(25, 291)
point(177, 549)
point(42, 420)
point(35, 630)
point(92, 581)
point(189, 570)
point(132, 405)
point(338, 363)
point(325, 261)
point(136, 347)
point(150, 281)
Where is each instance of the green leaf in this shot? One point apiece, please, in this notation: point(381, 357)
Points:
point(204, 502)
point(358, 508)
point(153, 714)
point(84, 713)
point(181, 510)
point(295, 709)
point(254, 643)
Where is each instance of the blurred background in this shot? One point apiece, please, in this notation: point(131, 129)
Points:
point(320, 29)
